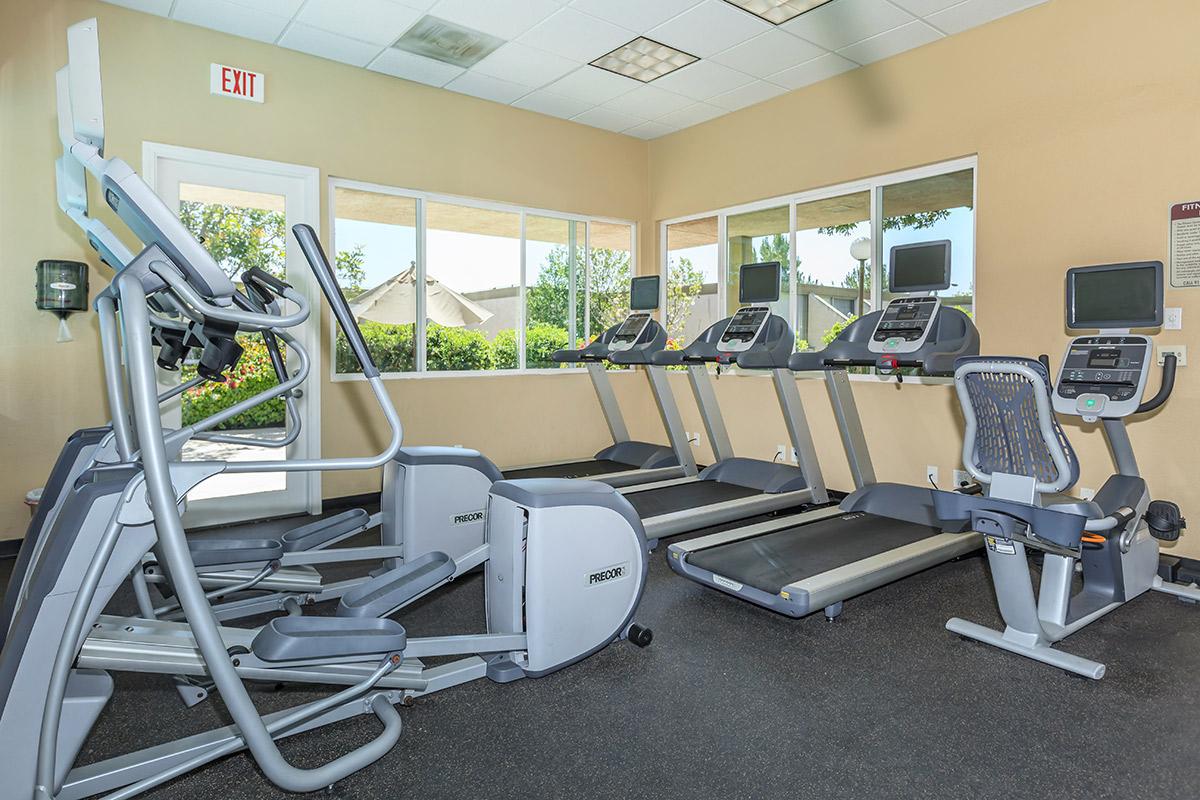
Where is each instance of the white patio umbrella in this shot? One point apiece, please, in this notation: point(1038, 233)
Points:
point(393, 302)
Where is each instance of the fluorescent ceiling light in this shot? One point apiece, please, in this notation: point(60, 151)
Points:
point(777, 11)
point(644, 60)
point(447, 42)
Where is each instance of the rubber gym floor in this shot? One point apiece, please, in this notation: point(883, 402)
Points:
point(733, 701)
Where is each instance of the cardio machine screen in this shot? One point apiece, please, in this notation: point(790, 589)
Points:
point(747, 321)
point(632, 326)
point(1115, 296)
point(923, 267)
point(758, 283)
point(1104, 359)
point(643, 293)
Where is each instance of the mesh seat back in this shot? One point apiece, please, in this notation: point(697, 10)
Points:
point(1011, 425)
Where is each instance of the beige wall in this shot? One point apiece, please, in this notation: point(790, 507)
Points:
point(348, 122)
point(1084, 115)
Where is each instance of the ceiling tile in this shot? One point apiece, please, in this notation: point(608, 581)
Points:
point(648, 102)
point(810, 72)
point(283, 8)
point(702, 80)
point(835, 25)
point(636, 15)
point(487, 87)
point(160, 7)
point(769, 53)
point(650, 130)
point(593, 85)
point(976, 12)
point(608, 119)
point(507, 19)
point(709, 28)
point(555, 105)
point(525, 65)
point(377, 21)
point(577, 36)
point(747, 95)
point(322, 43)
point(230, 18)
point(923, 7)
point(410, 66)
point(897, 40)
point(692, 115)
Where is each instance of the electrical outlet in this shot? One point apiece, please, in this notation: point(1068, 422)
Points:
point(795, 458)
point(961, 478)
point(780, 452)
point(931, 474)
point(1180, 351)
point(1086, 494)
point(693, 438)
point(1172, 319)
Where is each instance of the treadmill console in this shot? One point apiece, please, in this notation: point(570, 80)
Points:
point(1103, 376)
point(905, 325)
point(743, 329)
point(630, 332)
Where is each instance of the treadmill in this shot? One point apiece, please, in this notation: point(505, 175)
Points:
point(633, 343)
point(736, 488)
point(800, 563)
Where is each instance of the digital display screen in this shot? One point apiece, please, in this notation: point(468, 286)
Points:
point(746, 322)
point(1122, 296)
point(643, 293)
point(759, 283)
point(632, 326)
point(920, 267)
point(907, 313)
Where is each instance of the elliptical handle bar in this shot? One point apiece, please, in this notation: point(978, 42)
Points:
point(1164, 388)
point(316, 258)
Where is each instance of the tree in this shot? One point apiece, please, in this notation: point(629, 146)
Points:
point(684, 283)
point(776, 248)
point(917, 221)
point(238, 238)
point(548, 299)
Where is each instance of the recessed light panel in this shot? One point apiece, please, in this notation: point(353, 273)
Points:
point(644, 60)
point(447, 42)
point(777, 12)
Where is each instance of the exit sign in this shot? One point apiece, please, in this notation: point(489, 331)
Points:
point(244, 84)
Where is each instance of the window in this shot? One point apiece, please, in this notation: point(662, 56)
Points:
point(828, 291)
point(375, 242)
point(472, 284)
point(453, 285)
point(824, 286)
point(753, 238)
point(693, 302)
point(929, 209)
point(554, 271)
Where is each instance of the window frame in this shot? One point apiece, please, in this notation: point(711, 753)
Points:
point(875, 186)
point(422, 198)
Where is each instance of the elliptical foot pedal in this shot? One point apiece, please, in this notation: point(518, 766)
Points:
point(313, 638)
point(397, 587)
point(325, 532)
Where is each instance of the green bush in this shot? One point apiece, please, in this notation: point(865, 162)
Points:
point(390, 345)
point(252, 374)
point(457, 349)
point(504, 349)
point(541, 342)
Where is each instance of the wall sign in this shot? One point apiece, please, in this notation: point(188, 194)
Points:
point(236, 82)
point(1185, 244)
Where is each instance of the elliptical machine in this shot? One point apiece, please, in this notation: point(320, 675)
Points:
point(1015, 447)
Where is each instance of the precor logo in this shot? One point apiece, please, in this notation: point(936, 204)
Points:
point(615, 572)
point(468, 517)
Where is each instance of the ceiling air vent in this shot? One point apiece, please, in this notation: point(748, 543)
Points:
point(453, 44)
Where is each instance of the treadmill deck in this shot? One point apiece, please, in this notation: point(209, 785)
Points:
point(571, 469)
point(774, 560)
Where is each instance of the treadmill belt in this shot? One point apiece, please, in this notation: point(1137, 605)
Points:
point(774, 560)
point(573, 469)
point(682, 496)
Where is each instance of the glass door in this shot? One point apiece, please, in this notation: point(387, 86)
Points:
point(242, 211)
